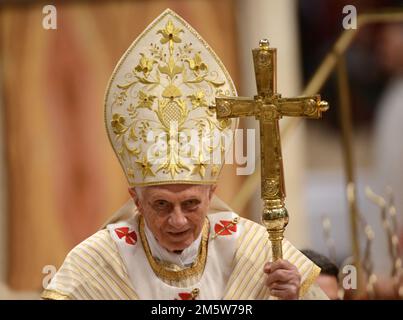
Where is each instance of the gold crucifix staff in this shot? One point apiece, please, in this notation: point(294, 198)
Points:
point(268, 107)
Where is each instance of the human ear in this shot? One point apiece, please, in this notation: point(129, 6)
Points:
point(133, 193)
point(212, 190)
point(135, 197)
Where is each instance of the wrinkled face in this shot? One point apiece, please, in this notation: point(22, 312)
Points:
point(329, 285)
point(175, 213)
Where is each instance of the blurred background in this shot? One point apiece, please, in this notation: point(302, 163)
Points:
point(59, 179)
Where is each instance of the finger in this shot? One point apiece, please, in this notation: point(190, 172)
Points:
point(267, 267)
point(280, 276)
point(284, 286)
point(278, 284)
point(276, 293)
point(282, 264)
point(288, 293)
point(283, 295)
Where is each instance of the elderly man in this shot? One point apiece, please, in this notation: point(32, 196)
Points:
point(176, 239)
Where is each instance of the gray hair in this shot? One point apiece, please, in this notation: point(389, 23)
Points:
point(138, 190)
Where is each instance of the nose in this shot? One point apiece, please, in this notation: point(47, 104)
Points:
point(177, 218)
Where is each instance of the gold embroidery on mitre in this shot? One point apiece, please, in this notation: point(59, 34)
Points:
point(157, 106)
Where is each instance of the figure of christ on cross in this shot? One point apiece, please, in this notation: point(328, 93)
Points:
point(268, 107)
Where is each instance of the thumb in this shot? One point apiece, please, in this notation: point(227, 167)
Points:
point(267, 267)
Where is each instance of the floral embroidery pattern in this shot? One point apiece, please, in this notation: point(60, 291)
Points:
point(168, 91)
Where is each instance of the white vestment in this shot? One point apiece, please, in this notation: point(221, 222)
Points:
point(120, 262)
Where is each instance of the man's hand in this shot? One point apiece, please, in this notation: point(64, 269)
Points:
point(283, 279)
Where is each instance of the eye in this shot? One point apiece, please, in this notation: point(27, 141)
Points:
point(191, 204)
point(161, 205)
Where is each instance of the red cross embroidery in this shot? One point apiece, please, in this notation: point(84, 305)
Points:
point(188, 295)
point(130, 237)
point(185, 296)
point(225, 227)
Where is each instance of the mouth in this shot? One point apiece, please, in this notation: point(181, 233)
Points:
point(179, 234)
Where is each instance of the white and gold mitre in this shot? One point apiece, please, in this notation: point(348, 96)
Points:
point(157, 106)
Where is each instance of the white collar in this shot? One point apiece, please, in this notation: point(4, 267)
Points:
point(183, 260)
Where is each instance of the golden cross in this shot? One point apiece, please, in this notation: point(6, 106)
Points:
point(268, 107)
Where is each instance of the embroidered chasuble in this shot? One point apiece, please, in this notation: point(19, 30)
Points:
point(116, 263)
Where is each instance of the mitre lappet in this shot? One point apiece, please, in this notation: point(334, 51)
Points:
point(157, 107)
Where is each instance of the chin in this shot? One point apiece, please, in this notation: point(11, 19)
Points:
point(179, 246)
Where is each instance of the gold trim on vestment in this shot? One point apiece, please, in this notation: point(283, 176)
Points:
point(310, 279)
point(54, 295)
point(161, 270)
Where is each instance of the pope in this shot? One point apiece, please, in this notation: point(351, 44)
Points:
point(175, 239)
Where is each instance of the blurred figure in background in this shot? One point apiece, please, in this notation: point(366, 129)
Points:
point(388, 149)
point(388, 130)
point(328, 277)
